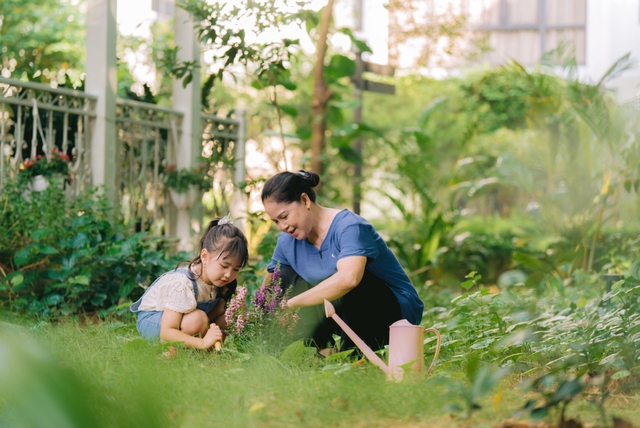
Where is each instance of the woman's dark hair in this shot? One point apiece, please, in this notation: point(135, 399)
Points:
point(223, 238)
point(288, 187)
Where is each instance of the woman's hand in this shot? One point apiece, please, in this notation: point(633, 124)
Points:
point(349, 274)
point(291, 303)
point(214, 334)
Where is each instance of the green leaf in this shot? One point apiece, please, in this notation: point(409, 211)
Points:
point(582, 302)
point(16, 280)
point(81, 221)
point(127, 287)
point(350, 155)
point(621, 374)
point(54, 299)
point(312, 21)
point(80, 279)
point(24, 256)
point(80, 240)
point(408, 365)
point(362, 46)
point(339, 356)
point(472, 366)
point(47, 249)
point(296, 353)
point(289, 109)
point(188, 78)
point(634, 271)
point(98, 299)
point(38, 234)
point(467, 284)
point(539, 413)
point(340, 66)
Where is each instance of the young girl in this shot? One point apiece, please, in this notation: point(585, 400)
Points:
point(180, 305)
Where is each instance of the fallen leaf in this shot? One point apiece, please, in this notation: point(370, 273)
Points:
point(256, 407)
point(340, 402)
point(497, 399)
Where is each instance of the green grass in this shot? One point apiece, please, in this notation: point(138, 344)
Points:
point(105, 375)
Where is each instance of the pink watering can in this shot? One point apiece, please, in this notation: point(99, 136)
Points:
point(406, 346)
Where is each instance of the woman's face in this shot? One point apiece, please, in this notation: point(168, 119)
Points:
point(292, 218)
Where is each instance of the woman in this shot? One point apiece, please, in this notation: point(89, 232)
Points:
point(326, 253)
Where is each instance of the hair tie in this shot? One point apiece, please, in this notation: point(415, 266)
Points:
point(225, 220)
point(304, 174)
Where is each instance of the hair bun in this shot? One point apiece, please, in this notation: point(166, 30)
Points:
point(310, 177)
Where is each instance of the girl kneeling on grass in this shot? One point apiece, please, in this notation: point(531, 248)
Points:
point(188, 304)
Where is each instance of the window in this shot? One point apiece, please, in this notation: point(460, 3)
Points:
point(524, 29)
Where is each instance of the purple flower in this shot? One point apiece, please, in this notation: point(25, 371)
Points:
point(259, 299)
point(275, 278)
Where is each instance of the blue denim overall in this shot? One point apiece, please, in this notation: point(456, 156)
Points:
point(149, 321)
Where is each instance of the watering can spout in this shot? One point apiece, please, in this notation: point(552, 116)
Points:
point(329, 310)
point(331, 313)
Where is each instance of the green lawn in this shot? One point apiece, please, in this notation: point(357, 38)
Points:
point(105, 375)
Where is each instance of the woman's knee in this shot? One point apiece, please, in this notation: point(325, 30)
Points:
point(196, 322)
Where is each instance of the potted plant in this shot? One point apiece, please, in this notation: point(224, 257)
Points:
point(42, 169)
point(185, 184)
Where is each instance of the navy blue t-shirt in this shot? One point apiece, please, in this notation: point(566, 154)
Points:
point(349, 235)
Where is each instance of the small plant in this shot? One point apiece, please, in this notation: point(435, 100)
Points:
point(181, 180)
point(556, 393)
point(473, 280)
point(47, 166)
point(266, 315)
point(480, 381)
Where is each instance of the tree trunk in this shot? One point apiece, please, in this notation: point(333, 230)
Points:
point(321, 94)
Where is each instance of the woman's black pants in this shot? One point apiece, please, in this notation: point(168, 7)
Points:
point(369, 309)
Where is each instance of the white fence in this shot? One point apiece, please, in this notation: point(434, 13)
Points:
point(35, 119)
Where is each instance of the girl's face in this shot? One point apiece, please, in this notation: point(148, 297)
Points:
point(217, 269)
point(293, 218)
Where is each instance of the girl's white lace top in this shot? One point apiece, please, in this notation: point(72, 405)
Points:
point(174, 291)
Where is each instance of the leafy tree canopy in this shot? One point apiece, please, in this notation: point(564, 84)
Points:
point(42, 40)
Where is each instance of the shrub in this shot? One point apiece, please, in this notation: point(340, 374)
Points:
point(63, 256)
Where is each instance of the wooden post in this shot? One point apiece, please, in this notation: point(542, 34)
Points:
point(238, 206)
point(187, 100)
point(101, 81)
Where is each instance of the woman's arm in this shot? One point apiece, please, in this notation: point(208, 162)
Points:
point(170, 332)
point(348, 276)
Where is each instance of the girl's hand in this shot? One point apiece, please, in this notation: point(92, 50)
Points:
point(214, 334)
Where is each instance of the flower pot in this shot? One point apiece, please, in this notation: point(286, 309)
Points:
point(184, 201)
point(38, 183)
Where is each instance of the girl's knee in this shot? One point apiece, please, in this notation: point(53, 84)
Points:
point(195, 323)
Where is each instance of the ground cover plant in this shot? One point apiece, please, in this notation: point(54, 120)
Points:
point(541, 359)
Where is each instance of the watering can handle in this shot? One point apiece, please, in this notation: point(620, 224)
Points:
point(439, 342)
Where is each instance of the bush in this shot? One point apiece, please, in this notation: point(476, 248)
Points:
point(63, 256)
point(182, 179)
